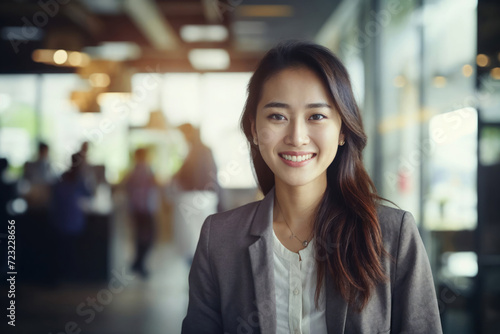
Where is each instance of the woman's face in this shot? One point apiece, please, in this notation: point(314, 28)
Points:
point(297, 127)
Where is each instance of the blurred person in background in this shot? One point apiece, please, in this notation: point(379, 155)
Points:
point(69, 197)
point(143, 198)
point(320, 253)
point(35, 187)
point(197, 192)
point(87, 170)
point(37, 178)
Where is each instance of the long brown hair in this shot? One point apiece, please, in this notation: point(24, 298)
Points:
point(348, 237)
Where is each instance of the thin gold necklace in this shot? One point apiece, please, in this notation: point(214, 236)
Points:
point(303, 242)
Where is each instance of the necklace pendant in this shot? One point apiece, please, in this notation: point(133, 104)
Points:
point(305, 243)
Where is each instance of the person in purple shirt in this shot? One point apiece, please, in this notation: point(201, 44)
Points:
point(141, 188)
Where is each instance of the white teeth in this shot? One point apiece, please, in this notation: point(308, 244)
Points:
point(296, 158)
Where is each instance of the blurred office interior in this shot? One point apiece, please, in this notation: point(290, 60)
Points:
point(96, 80)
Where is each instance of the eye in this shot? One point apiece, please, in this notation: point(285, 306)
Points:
point(276, 117)
point(317, 117)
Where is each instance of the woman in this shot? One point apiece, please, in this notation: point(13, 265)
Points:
point(318, 254)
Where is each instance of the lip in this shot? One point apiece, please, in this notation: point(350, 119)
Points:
point(295, 153)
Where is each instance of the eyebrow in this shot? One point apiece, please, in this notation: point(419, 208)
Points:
point(286, 106)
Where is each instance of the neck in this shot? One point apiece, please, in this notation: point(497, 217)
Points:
point(298, 204)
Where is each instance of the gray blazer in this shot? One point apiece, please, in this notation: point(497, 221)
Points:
point(231, 282)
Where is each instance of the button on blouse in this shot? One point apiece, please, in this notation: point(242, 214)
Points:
point(295, 288)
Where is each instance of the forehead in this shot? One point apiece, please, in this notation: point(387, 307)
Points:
point(296, 83)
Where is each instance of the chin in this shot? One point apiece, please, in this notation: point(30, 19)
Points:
point(296, 182)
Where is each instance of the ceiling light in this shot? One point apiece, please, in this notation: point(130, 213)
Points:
point(203, 33)
point(99, 80)
point(78, 59)
point(209, 59)
point(60, 57)
point(75, 58)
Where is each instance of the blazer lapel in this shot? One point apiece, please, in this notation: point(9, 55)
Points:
point(336, 308)
point(261, 257)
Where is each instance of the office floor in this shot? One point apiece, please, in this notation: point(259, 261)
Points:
point(130, 306)
point(157, 305)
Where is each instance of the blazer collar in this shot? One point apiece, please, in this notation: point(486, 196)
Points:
point(262, 260)
point(262, 223)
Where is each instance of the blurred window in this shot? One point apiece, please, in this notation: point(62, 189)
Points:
point(18, 118)
point(451, 203)
point(214, 102)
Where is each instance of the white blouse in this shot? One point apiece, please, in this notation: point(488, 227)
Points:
point(295, 287)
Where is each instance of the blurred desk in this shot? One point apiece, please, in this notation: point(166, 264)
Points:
point(39, 252)
point(93, 248)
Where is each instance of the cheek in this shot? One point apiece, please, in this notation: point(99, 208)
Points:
point(328, 141)
point(266, 136)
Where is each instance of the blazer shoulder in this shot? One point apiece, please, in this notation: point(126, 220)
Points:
point(390, 216)
point(226, 233)
point(393, 222)
point(238, 217)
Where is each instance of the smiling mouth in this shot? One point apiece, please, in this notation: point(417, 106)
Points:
point(297, 158)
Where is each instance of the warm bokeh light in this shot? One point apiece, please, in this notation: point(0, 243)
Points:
point(43, 56)
point(467, 70)
point(99, 80)
point(265, 10)
point(495, 73)
point(400, 81)
point(75, 58)
point(60, 57)
point(85, 59)
point(482, 60)
point(439, 81)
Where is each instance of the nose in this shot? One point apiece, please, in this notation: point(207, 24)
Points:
point(297, 133)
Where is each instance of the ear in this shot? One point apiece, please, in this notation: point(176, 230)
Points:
point(254, 131)
point(341, 137)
